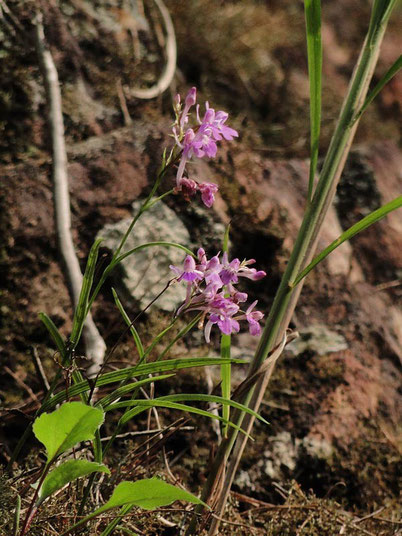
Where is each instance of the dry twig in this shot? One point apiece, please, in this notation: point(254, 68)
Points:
point(94, 343)
point(171, 56)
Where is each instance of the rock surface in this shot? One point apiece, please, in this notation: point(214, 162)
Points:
point(145, 274)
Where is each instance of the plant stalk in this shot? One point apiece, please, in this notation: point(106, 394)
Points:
point(287, 295)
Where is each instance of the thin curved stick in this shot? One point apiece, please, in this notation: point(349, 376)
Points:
point(94, 343)
point(171, 54)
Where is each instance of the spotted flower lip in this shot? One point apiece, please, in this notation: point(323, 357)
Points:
point(211, 290)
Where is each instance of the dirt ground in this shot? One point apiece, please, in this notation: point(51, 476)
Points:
point(330, 461)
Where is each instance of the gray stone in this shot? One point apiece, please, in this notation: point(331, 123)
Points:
point(316, 447)
point(284, 452)
point(281, 454)
point(244, 482)
point(145, 273)
point(318, 339)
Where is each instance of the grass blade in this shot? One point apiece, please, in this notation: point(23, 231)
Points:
point(55, 334)
point(133, 331)
point(312, 10)
point(125, 389)
point(226, 368)
point(82, 309)
point(226, 378)
point(153, 244)
point(350, 233)
point(183, 397)
point(392, 71)
point(144, 405)
point(181, 334)
point(141, 370)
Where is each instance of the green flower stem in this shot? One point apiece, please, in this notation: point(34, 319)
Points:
point(148, 203)
point(303, 251)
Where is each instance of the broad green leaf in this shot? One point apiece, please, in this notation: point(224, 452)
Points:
point(138, 370)
point(72, 423)
point(148, 494)
point(81, 309)
point(133, 331)
point(392, 71)
point(312, 10)
point(350, 233)
point(67, 472)
point(55, 334)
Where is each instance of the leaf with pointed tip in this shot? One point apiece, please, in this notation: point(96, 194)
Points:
point(67, 472)
point(149, 493)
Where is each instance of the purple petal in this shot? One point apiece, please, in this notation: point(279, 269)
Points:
point(254, 327)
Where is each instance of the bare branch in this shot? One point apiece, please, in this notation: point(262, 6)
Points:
point(94, 343)
point(171, 56)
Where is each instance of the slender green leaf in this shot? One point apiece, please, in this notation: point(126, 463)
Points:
point(226, 368)
point(125, 389)
point(141, 370)
point(184, 397)
point(226, 373)
point(159, 337)
point(143, 405)
point(314, 54)
point(153, 244)
point(81, 309)
point(67, 472)
point(134, 332)
point(350, 233)
point(380, 14)
point(65, 427)
point(392, 71)
point(225, 245)
point(55, 334)
point(181, 334)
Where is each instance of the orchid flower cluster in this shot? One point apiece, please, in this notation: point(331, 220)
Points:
point(211, 290)
point(199, 142)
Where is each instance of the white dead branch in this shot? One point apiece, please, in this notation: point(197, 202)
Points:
point(171, 57)
point(95, 346)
